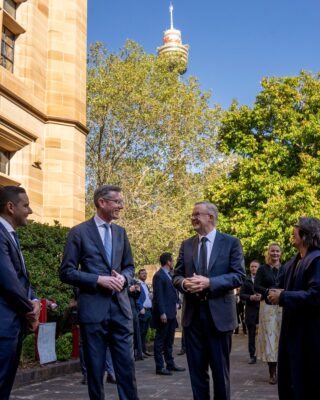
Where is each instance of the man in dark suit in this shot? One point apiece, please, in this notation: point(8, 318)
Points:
point(98, 260)
point(164, 311)
point(252, 301)
point(19, 307)
point(209, 267)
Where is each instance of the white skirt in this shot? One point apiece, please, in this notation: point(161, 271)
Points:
point(269, 331)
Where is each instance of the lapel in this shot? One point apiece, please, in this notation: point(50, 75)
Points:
point(250, 283)
point(304, 265)
point(14, 245)
point(290, 271)
point(216, 248)
point(94, 234)
point(165, 276)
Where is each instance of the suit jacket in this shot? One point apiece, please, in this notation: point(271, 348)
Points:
point(85, 259)
point(252, 307)
point(15, 289)
point(165, 298)
point(299, 346)
point(225, 272)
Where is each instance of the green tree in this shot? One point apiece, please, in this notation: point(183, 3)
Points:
point(152, 133)
point(277, 176)
point(42, 247)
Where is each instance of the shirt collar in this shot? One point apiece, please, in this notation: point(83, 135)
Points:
point(165, 270)
point(6, 224)
point(210, 236)
point(99, 221)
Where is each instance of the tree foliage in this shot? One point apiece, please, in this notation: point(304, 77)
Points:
point(42, 247)
point(152, 133)
point(277, 177)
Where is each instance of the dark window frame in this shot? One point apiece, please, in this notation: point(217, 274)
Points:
point(5, 157)
point(7, 43)
point(10, 6)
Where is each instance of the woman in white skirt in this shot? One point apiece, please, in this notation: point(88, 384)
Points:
point(268, 276)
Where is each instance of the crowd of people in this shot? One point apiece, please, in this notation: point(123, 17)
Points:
point(115, 309)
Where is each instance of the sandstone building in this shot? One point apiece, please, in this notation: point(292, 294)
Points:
point(43, 104)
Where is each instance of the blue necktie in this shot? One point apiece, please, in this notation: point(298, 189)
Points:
point(108, 243)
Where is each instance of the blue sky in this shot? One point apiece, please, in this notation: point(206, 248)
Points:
point(233, 44)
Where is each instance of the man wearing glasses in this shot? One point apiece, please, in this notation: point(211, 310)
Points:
point(209, 267)
point(98, 260)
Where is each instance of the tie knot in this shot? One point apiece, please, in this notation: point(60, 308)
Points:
point(204, 239)
point(107, 226)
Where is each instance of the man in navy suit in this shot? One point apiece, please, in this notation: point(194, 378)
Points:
point(209, 267)
point(252, 300)
point(19, 308)
point(164, 311)
point(98, 260)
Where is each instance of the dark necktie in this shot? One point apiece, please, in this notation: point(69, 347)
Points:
point(16, 238)
point(108, 243)
point(203, 269)
point(15, 235)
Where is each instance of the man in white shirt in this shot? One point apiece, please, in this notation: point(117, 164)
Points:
point(19, 307)
point(98, 260)
point(209, 267)
point(145, 309)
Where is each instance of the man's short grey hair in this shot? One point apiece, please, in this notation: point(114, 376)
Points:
point(211, 208)
point(104, 191)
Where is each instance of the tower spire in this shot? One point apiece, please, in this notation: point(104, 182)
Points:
point(172, 49)
point(171, 15)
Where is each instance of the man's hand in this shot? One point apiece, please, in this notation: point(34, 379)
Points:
point(195, 284)
point(142, 311)
point(33, 316)
point(163, 318)
point(274, 295)
point(120, 278)
point(255, 297)
point(132, 288)
point(110, 282)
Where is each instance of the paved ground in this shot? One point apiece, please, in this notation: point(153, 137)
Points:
point(249, 382)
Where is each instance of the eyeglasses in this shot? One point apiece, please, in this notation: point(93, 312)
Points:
point(118, 202)
point(197, 215)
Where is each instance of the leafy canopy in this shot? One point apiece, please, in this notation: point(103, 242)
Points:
point(153, 133)
point(277, 176)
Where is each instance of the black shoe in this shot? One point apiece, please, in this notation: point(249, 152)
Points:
point(181, 352)
point(111, 379)
point(84, 380)
point(176, 368)
point(138, 358)
point(253, 360)
point(163, 371)
point(147, 353)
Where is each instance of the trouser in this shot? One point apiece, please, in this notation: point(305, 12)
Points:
point(163, 344)
point(206, 346)
point(117, 332)
point(144, 322)
point(10, 350)
point(252, 328)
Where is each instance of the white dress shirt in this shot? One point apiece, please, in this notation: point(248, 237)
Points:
point(101, 228)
